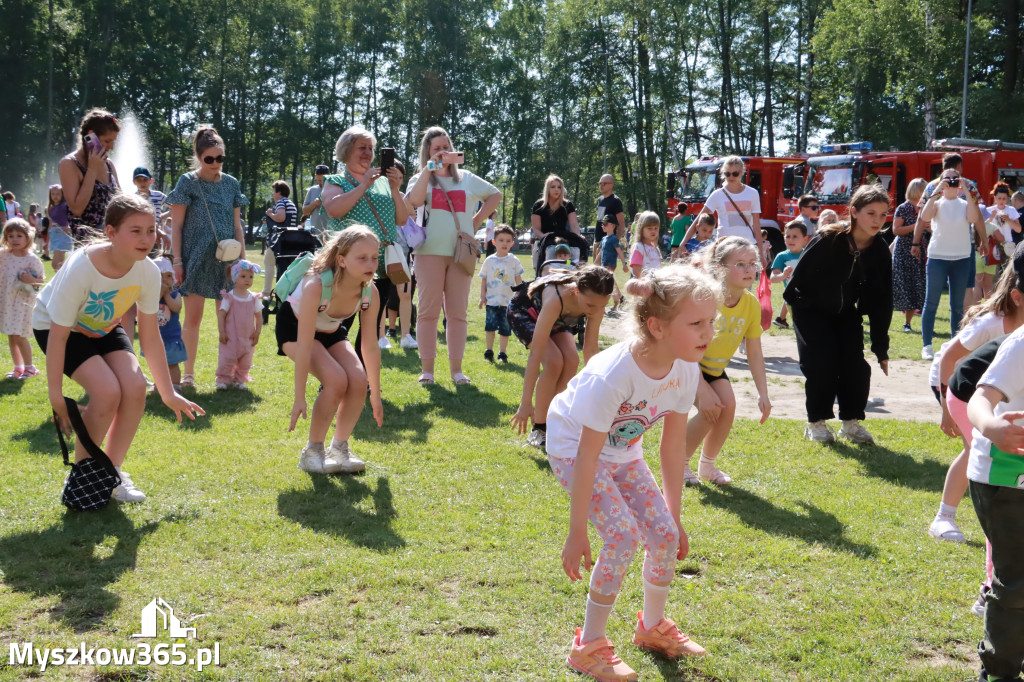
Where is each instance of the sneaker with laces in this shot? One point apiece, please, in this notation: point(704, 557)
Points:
point(347, 463)
point(312, 459)
point(945, 528)
point(597, 659)
point(855, 431)
point(819, 432)
point(665, 639)
point(781, 323)
point(489, 355)
point(978, 607)
point(926, 353)
point(127, 492)
point(537, 439)
point(408, 342)
point(384, 343)
point(503, 357)
point(907, 329)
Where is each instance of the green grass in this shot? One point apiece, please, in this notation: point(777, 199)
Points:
point(442, 561)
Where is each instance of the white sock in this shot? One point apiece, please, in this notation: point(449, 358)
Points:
point(947, 511)
point(315, 446)
point(655, 598)
point(705, 465)
point(596, 622)
point(335, 443)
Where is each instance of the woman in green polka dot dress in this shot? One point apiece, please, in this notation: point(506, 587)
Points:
point(361, 195)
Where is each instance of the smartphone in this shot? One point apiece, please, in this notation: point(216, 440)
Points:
point(387, 159)
point(93, 143)
point(453, 157)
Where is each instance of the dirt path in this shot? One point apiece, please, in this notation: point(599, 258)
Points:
point(904, 394)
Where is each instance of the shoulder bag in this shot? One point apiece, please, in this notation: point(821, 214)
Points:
point(91, 481)
point(467, 251)
point(228, 250)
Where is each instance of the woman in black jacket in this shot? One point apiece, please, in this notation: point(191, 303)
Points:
point(844, 273)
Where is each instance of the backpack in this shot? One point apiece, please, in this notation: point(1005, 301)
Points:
point(296, 272)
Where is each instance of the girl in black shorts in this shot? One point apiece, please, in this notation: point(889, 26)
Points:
point(77, 324)
point(311, 332)
point(541, 313)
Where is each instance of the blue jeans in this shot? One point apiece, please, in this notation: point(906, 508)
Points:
point(938, 272)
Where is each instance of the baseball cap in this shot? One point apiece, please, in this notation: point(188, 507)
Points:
point(321, 170)
point(142, 171)
point(608, 218)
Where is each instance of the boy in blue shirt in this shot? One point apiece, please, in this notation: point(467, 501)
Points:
point(782, 267)
point(610, 254)
point(703, 234)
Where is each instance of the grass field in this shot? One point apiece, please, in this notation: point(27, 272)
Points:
point(442, 561)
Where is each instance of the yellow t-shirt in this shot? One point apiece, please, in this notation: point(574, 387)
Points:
point(742, 321)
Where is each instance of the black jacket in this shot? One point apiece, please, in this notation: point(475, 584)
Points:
point(832, 277)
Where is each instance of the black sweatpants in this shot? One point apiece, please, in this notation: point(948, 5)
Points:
point(831, 349)
point(1001, 514)
point(384, 289)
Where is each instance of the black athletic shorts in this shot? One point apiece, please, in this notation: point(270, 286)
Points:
point(710, 378)
point(287, 329)
point(81, 347)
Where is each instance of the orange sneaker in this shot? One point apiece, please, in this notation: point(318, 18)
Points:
point(598, 660)
point(665, 639)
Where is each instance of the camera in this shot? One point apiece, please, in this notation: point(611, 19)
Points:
point(953, 182)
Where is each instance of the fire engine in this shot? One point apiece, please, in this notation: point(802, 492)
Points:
point(833, 176)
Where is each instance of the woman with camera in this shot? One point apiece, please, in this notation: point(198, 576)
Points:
point(206, 235)
point(362, 194)
point(448, 196)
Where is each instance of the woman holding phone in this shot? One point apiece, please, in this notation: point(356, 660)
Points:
point(87, 176)
point(362, 194)
point(448, 196)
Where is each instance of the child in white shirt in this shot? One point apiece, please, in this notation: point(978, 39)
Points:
point(498, 274)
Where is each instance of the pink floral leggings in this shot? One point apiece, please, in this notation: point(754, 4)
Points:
point(627, 505)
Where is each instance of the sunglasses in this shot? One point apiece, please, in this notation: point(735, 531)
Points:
point(814, 208)
point(213, 159)
point(732, 174)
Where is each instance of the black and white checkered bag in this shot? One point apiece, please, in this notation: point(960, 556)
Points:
point(91, 481)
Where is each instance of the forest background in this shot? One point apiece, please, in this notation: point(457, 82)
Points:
point(525, 87)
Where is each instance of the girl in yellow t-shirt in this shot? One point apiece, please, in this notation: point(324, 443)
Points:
point(735, 262)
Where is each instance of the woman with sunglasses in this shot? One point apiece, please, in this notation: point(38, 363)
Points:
point(87, 177)
point(206, 208)
point(736, 205)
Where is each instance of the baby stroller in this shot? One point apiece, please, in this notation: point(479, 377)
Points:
point(578, 247)
point(287, 245)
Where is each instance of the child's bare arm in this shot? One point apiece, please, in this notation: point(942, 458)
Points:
point(222, 316)
point(173, 303)
point(483, 292)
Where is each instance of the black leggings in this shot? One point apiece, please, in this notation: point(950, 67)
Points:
point(831, 349)
point(384, 289)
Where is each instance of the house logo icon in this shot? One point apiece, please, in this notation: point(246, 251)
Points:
point(158, 611)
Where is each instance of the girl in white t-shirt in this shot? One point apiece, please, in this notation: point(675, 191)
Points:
point(645, 255)
point(311, 332)
point(77, 324)
point(1000, 314)
point(595, 447)
point(21, 273)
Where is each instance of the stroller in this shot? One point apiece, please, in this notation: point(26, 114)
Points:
point(578, 247)
point(287, 245)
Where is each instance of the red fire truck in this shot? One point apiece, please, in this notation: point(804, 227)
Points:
point(832, 176)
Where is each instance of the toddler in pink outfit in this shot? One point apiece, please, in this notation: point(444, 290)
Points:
point(239, 323)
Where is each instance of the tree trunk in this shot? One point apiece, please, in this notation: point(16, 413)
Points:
point(768, 117)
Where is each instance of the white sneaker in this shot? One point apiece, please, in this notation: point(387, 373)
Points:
point(312, 459)
point(241, 386)
point(819, 432)
point(537, 439)
point(221, 386)
point(409, 342)
point(347, 462)
point(384, 343)
point(946, 529)
point(926, 353)
point(127, 492)
point(855, 431)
